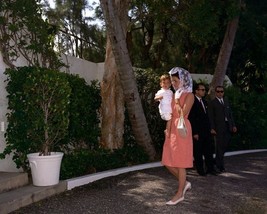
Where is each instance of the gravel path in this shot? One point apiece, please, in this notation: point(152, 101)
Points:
point(241, 190)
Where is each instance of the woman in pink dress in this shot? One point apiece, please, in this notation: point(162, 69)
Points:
point(178, 150)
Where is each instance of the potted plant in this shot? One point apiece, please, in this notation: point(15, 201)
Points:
point(38, 120)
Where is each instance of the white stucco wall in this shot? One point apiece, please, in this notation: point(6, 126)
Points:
point(6, 165)
point(208, 77)
point(85, 69)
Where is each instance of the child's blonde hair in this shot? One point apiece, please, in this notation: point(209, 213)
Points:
point(164, 77)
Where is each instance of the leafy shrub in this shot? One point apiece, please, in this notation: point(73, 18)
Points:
point(38, 116)
point(73, 112)
point(249, 110)
point(85, 102)
point(86, 161)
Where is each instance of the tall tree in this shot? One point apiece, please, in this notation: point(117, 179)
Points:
point(77, 35)
point(151, 31)
point(112, 105)
point(226, 49)
point(117, 38)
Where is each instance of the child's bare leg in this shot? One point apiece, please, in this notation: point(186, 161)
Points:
point(168, 128)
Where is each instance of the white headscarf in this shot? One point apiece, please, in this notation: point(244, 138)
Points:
point(185, 78)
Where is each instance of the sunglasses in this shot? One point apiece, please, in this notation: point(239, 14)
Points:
point(201, 89)
point(219, 91)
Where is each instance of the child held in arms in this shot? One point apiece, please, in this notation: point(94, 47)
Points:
point(164, 96)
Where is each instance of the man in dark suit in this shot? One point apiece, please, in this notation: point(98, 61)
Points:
point(202, 138)
point(222, 124)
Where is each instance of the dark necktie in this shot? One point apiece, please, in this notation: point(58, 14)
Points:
point(202, 105)
point(221, 101)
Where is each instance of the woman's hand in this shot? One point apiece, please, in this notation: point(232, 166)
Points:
point(178, 93)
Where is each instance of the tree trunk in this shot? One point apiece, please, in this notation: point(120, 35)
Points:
point(117, 38)
point(112, 105)
point(224, 55)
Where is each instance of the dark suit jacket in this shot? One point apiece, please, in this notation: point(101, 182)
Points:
point(199, 119)
point(218, 113)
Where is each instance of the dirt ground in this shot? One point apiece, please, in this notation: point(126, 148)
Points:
point(241, 190)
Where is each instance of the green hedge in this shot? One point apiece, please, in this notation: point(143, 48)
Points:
point(85, 100)
point(74, 112)
point(84, 161)
point(38, 115)
point(250, 113)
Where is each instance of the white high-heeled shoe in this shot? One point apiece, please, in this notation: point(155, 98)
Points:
point(188, 186)
point(175, 202)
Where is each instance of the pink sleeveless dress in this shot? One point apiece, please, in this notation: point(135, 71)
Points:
point(177, 150)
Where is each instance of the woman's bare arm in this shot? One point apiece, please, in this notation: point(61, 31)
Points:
point(189, 101)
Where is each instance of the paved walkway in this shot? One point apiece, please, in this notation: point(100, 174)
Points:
point(241, 190)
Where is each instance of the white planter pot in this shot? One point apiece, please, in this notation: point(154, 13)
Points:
point(45, 169)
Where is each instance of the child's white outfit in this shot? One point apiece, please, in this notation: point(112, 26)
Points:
point(165, 107)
